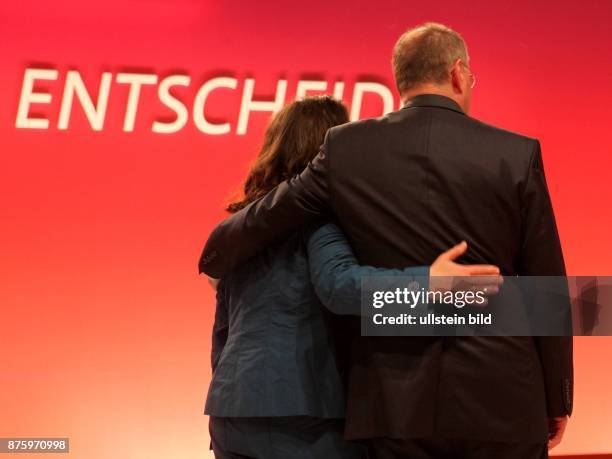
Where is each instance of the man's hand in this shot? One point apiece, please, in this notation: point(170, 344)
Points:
point(447, 275)
point(556, 429)
point(213, 282)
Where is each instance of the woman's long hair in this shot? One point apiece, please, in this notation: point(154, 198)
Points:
point(291, 140)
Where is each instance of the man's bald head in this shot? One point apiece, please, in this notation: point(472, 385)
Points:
point(425, 54)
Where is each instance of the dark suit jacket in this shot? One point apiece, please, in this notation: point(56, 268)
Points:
point(404, 187)
point(274, 352)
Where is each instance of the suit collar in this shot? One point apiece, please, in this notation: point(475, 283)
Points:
point(434, 100)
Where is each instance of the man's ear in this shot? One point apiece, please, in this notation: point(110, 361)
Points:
point(457, 77)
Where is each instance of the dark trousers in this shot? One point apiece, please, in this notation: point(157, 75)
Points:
point(299, 437)
point(431, 448)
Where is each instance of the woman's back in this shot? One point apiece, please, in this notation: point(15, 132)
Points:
point(279, 356)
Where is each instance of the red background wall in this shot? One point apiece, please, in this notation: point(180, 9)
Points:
point(105, 323)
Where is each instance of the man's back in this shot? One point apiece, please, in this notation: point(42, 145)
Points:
point(404, 188)
point(417, 181)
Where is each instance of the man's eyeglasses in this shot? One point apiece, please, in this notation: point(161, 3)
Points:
point(472, 76)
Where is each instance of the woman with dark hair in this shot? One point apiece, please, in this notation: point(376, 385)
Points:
point(277, 389)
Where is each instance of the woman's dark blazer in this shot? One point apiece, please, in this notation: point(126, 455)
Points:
point(273, 351)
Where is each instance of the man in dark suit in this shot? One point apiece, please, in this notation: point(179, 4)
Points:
point(404, 187)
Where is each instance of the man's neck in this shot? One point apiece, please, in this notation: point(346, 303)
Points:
point(427, 89)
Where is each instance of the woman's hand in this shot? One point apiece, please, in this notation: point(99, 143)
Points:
point(447, 275)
